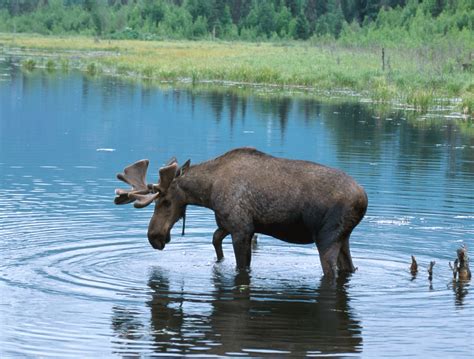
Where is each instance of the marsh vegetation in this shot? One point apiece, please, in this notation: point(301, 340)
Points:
point(416, 53)
point(412, 77)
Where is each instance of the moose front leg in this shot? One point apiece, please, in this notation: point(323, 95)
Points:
point(217, 239)
point(242, 249)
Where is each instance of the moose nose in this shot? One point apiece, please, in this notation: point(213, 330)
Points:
point(157, 241)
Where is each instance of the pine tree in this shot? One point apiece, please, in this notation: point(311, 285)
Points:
point(302, 27)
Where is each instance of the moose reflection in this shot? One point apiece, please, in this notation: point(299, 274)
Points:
point(238, 317)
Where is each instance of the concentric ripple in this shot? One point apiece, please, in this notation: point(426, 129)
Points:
point(90, 283)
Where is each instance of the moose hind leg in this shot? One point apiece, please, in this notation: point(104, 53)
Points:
point(329, 250)
point(330, 242)
point(217, 239)
point(344, 260)
point(242, 249)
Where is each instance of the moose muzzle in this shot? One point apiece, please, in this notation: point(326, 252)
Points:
point(158, 240)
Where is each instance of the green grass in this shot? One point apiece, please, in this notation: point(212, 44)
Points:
point(29, 64)
point(64, 65)
point(412, 76)
point(91, 69)
point(50, 65)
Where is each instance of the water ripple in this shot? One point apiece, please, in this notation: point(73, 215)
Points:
point(79, 279)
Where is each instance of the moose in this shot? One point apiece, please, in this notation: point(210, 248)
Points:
point(252, 192)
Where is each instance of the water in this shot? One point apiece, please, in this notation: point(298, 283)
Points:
point(79, 279)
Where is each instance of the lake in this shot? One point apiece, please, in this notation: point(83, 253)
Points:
point(78, 277)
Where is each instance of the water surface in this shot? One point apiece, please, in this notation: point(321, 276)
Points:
point(79, 279)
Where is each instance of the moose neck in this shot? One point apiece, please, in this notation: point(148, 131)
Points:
point(197, 184)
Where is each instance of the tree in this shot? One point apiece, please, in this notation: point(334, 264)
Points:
point(302, 27)
point(239, 9)
point(219, 16)
point(153, 10)
point(367, 10)
point(262, 17)
point(198, 8)
point(282, 21)
point(294, 6)
point(435, 7)
point(200, 27)
point(311, 12)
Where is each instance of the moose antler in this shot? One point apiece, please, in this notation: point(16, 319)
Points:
point(143, 194)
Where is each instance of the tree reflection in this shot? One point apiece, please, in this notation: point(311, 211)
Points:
point(242, 318)
point(360, 131)
point(275, 108)
point(216, 100)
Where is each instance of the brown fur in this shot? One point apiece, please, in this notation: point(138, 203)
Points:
point(251, 192)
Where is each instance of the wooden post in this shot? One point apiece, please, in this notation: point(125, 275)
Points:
point(383, 59)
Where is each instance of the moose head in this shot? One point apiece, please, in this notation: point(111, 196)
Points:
point(170, 201)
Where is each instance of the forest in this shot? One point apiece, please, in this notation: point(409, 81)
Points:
point(407, 22)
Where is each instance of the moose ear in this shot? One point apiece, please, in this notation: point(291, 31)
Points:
point(167, 174)
point(184, 168)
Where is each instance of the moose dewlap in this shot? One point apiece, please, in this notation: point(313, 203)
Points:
point(252, 192)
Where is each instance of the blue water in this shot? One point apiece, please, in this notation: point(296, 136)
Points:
point(79, 279)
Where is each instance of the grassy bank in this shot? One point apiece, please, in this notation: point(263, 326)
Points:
point(418, 77)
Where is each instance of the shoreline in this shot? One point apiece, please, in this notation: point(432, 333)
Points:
point(295, 66)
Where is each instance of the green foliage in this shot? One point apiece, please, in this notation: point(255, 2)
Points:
point(199, 27)
point(302, 30)
point(64, 65)
point(420, 99)
point(355, 22)
point(147, 72)
point(29, 64)
point(177, 24)
point(262, 18)
point(126, 34)
point(468, 103)
point(50, 65)
point(91, 69)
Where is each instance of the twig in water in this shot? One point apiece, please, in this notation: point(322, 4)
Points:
point(414, 266)
point(430, 270)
